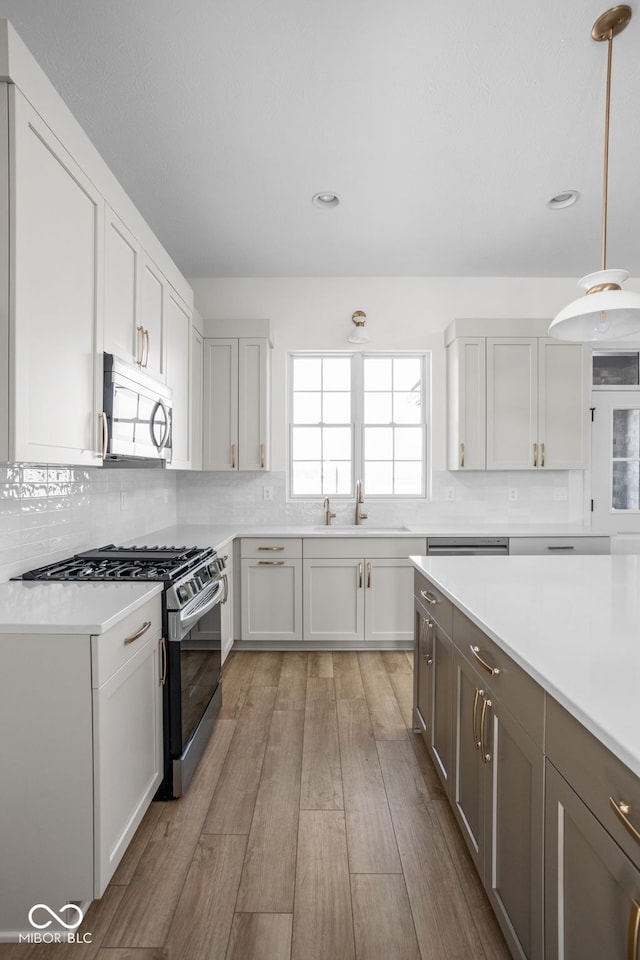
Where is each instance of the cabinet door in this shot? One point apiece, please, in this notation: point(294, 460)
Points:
point(563, 405)
point(57, 236)
point(152, 305)
point(440, 732)
point(127, 737)
point(592, 890)
point(388, 609)
point(514, 831)
point(220, 406)
point(421, 669)
point(178, 332)
point(469, 770)
point(334, 601)
point(122, 291)
point(197, 361)
point(271, 597)
point(253, 413)
point(512, 403)
point(466, 404)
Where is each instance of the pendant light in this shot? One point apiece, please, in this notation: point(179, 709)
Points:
point(605, 312)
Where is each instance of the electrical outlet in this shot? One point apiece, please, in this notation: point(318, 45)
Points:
point(513, 493)
point(267, 493)
point(449, 493)
point(123, 499)
point(559, 493)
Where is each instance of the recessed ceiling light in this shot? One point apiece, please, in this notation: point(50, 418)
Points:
point(565, 199)
point(326, 200)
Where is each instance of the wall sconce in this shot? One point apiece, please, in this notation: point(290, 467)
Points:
point(359, 335)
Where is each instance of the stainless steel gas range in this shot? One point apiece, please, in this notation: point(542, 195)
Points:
point(194, 586)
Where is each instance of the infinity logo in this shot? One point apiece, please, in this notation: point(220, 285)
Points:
point(67, 906)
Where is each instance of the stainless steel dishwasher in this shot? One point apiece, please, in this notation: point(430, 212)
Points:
point(467, 546)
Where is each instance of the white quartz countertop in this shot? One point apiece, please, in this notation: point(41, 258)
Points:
point(57, 608)
point(218, 535)
point(573, 623)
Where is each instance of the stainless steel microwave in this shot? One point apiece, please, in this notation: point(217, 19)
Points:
point(136, 418)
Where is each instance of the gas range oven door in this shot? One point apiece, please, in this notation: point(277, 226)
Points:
point(193, 691)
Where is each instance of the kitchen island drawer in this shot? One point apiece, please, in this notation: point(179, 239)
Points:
point(111, 650)
point(509, 683)
point(557, 546)
point(434, 601)
point(271, 548)
point(599, 778)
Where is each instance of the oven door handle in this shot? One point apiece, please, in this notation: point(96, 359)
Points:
point(200, 605)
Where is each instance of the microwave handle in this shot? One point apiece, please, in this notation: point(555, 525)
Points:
point(159, 445)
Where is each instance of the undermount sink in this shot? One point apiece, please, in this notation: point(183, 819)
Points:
point(358, 529)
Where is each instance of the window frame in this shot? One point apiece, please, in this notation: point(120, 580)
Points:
point(358, 425)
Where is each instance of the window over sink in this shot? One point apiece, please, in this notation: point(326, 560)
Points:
point(358, 416)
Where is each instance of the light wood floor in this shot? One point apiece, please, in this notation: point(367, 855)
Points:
point(315, 829)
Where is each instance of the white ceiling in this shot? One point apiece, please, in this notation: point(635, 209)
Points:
point(443, 127)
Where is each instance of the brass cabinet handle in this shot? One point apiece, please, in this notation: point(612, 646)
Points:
point(262, 456)
point(429, 597)
point(233, 456)
point(542, 454)
point(622, 810)
point(225, 595)
point(273, 563)
point(359, 574)
point(634, 931)
point(145, 334)
point(462, 454)
point(141, 332)
point(105, 434)
point(368, 575)
point(486, 757)
point(494, 671)
point(535, 454)
point(163, 646)
point(270, 548)
point(474, 718)
point(143, 629)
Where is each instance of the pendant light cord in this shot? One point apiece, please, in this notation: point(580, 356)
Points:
point(606, 150)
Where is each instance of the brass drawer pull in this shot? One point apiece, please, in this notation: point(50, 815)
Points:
point(360, 574)
point(233, 456)
point(429, 597)
point(474, 718)
point(486, 757)
point(634, 931)
point(368, 575)
point(462, 454)
point(143, 629)
point(494, 671)
point(163, 678)
point(262, 456)
point(270, 548)
point(542, 454)
point(271, 563)
point(141, 332)
point(535, 454)
point(622, 811)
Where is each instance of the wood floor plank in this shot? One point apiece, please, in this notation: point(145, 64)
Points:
point(236, 680)
point(409, 655)
point(371, 840)
point(126, 867)
point(126, 954)
point(268, 667)
point(260, 936)
point(395, 661)
point(320, 663)
point(386, 717)
point(402, 685)
point(322, 918)
point(268, 877)
point(444, 927)
point(292, 688)
point(149, 900)
point(346, 674)
point(202, 922)
point(321, 787)
point(382, 921)
point(233, 802)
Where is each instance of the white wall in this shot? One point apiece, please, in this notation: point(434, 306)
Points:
point(403, 313)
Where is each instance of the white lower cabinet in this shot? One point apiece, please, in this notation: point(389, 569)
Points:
point(89, 711)
point(333, 601)
point(271, 591)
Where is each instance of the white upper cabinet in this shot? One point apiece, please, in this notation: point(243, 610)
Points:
point(516, 402)
point(53, 375)
point(197, 368)
point(121, 291)
point(236, 403)
point(153, 287)
point(178, 338)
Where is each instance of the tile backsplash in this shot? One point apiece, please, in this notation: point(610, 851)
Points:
point(50, 512)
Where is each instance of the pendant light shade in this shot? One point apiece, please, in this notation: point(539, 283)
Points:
point(605, 312)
